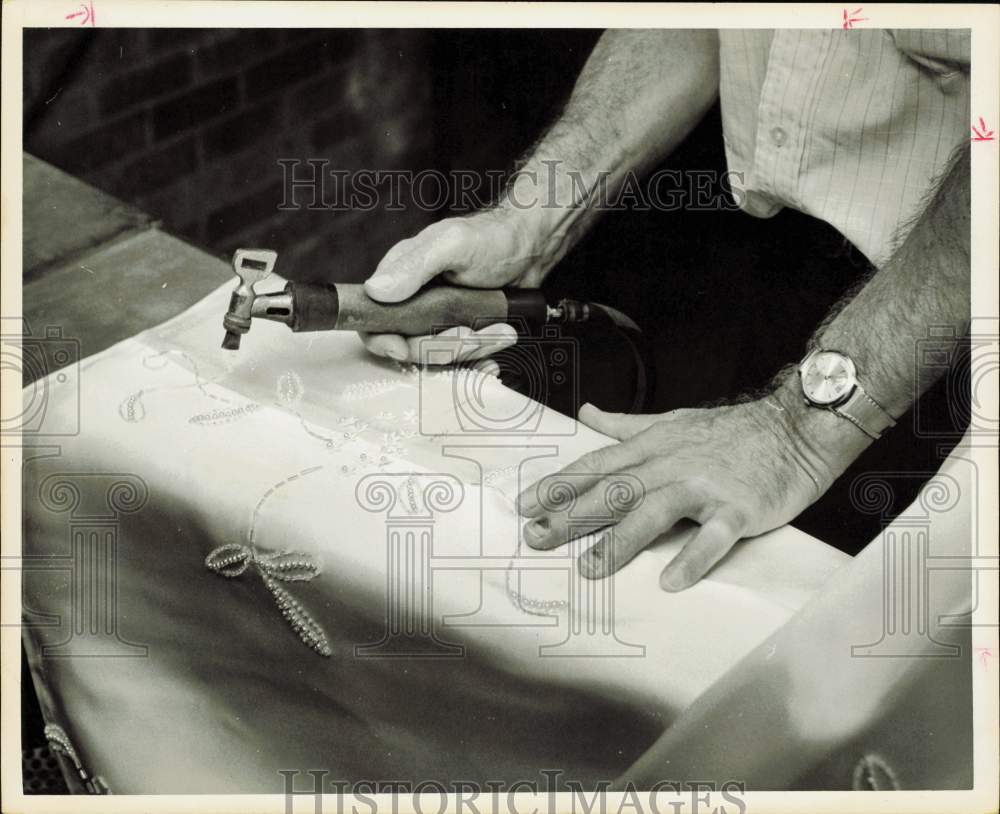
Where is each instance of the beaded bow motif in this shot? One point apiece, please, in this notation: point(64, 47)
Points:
point(232, 559)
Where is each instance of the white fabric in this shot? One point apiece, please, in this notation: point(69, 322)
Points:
point(273, 439)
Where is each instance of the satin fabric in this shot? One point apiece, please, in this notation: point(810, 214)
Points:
point(170, 676)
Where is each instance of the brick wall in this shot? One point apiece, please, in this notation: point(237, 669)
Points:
point(188, 124)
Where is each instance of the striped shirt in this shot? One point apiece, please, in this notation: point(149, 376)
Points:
point(853, 127)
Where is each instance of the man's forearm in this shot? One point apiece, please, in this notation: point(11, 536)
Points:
point(925, 284)
point(639, 94)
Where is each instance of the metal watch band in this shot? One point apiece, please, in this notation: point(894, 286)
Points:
point(866, 413)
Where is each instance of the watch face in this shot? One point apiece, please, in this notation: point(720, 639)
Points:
point(827, 377)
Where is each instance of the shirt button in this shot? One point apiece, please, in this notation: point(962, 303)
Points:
point(778, 136)
point(950, 82)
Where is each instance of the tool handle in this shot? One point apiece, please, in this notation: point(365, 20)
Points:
point(346, 307)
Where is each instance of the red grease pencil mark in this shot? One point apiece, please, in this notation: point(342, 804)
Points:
point(985, 654)
point(86, 12)
point(982, 133)
point(851, 19)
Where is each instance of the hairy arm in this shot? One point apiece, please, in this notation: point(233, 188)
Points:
point(637, 97)
point(926, 283)
point(639, 94)
point(778, 686)
point(743, 469)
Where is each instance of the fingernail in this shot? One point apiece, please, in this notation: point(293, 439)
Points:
point(592, 562)
point(396, 354)
point(674, 580)
point(535, 531)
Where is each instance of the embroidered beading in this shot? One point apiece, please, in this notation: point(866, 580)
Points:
point(358, 391)
point(526, 604)
point(60, 743)
point(232, 560)
point(217, 417)
point(132, 409)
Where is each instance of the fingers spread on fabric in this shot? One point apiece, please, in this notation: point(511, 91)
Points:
point(658, 513)
point(714, 539)
point(572, 507)
point(587, 470)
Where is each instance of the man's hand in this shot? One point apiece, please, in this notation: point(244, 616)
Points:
point(737, 470)
point(744, 469)
point(640, 93)
point(490, 249)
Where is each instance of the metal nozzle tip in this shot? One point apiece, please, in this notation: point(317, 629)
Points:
point(231, 341)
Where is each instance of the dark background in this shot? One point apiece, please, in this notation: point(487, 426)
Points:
point(188, 124)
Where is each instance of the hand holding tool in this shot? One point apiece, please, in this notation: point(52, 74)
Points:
point(347, 307)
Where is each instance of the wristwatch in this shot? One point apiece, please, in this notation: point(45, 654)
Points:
point(830, 380)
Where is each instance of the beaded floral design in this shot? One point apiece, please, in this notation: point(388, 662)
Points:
point(289, 388)
point(388, 451)
point(131, 408)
